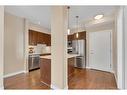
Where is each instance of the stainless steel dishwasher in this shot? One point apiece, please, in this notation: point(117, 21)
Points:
point(34, 61)
point(80, 62)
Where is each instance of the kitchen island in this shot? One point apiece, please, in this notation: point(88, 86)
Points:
point(45, 67)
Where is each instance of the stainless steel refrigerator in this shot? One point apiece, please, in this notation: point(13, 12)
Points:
point(79, 47)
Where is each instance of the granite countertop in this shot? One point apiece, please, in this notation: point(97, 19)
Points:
point(41, 54)
point(68, 56)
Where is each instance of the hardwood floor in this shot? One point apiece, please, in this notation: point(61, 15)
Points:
point(25, 81)
point(91, 79)
point(80, 79)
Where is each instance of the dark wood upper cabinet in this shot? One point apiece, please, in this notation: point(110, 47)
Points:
point(32, 37)
point(45, 39)
point(81, 35)
point(70, 37)
point(36, 37)
point(40, 38)
point(48, 39)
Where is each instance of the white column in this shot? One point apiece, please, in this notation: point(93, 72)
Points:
point(59, 47)
point(1, 45)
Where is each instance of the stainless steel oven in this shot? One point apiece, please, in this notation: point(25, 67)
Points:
point(33, 61)
point(69, 44)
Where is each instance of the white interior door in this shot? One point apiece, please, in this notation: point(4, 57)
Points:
point(100, 50)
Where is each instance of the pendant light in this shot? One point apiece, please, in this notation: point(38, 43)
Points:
point(68, 30)
point(77, 35)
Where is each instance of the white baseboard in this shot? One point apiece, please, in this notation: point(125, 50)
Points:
point(99, 69)
point(115, 78)
point(88, 67)
point(54, 87)
point(26, 71)
point(2, 88)
point(66, 88)
point(12, 74)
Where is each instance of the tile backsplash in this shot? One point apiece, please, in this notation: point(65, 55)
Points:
point(46, 49)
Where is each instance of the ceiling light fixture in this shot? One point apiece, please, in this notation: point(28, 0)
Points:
point(98, 17)
point(68, 30)
point(77, 27)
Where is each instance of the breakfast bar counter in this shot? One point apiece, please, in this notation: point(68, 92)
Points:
point(68, 56)
point(45, 67)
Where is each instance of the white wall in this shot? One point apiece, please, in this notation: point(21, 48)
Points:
point(13, 44)
point(106, 26)
point(96, 27)
point(1, 45)
point(125, 43)
point(39, 28)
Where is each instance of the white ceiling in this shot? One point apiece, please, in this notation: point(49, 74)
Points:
point(41, 14)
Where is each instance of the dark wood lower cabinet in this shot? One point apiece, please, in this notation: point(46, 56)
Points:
point(45, 70)
point(71, 62)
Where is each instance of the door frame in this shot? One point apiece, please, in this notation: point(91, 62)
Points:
point(88, 49)
point(26, 45)
point(125, 45)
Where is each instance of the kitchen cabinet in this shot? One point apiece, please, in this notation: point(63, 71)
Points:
point(45, 67)
point(47, 39)
point(71, 62)
point(81, 35)
point(45, 71)
point(70, 37)
point(32, 37)
point(35, 36)
point(39, 38)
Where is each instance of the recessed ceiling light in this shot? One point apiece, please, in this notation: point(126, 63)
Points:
point(98, 17)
